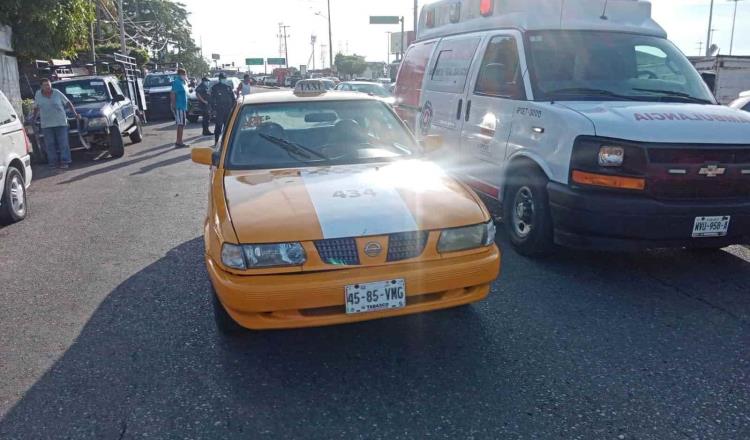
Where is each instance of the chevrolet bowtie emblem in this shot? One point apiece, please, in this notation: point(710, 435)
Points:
point(712, 171)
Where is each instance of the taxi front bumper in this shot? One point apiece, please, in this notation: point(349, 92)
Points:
point(317, 298)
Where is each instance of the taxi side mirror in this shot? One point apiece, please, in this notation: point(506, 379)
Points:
point(432, 143)
point(202, 155)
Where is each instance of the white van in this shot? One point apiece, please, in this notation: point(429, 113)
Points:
point(591, 128)
point(15, 164)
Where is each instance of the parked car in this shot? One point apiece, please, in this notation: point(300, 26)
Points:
point(107, 115)
point(743, 102)
point(590, 133)
point(15, 164)
point(157, 87)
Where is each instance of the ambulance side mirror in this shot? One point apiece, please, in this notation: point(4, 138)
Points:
point(432, 142)
point(202, 155)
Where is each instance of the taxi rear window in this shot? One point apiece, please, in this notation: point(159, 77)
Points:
point(296, 134)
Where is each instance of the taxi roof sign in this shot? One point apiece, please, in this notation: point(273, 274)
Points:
point(309, 87)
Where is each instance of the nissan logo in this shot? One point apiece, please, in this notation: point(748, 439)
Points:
point(373, 249)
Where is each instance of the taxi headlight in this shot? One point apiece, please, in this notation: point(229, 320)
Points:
point(231, 256)
point(270, 255)
point(469, 237)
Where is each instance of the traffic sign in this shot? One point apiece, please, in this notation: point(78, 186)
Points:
point(253, 61)
point(215, 56)
point(384, 19)
point(276, 61)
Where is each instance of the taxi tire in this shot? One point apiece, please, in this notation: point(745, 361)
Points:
point(540, 240)
point(224, 323)
point(116, 143)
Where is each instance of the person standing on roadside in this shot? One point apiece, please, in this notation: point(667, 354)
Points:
point(203, 93)
point(244, 88)
point(222, 99)
point(51, 103)
point(178, 99)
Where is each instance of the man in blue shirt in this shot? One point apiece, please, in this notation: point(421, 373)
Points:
point(179, 102)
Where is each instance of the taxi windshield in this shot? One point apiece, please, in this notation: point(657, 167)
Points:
point(610, 66)
point(296, 134)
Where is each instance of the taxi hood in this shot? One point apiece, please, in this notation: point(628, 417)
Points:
point(271, 206)
point(666, 122)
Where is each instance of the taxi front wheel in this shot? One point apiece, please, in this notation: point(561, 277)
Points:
point(526, 214)
point(224, 323)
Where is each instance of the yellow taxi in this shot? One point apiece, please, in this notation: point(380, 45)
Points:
point(323, 210)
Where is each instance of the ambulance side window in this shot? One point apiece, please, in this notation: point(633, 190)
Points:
point(452, 64)
point(500, 73)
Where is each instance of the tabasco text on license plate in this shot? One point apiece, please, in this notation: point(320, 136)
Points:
point(372, 297)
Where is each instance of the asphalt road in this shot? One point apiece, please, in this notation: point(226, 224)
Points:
point(106, 332)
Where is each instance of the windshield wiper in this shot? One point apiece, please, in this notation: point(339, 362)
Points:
point(293, 148)
point(578, 91)
point(674, 94)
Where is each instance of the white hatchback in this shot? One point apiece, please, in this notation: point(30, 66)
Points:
point(15, 164)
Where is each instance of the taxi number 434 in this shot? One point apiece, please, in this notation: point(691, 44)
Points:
point(717, 226)
point(372, 297)
point(354, 193)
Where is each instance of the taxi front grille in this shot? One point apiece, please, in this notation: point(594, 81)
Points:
point(338, 251)
point(406, 245)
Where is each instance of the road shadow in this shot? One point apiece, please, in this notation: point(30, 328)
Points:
point(149, 361)
point(163, 163)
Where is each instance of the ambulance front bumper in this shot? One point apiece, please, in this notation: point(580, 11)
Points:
point(628, 222)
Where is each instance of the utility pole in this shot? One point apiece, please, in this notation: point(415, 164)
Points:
point(284, 35)
point(403, 39)
point(93, 50)
point(710, 23)
point(416, 16)
point(388, 56)
point(700, 48)
point(123, 46)
point(330, 38)
point(734, 20)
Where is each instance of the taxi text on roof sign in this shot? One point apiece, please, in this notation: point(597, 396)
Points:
point(309, 87)
point(446, 17)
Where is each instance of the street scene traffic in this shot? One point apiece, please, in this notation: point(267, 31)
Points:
point(530, 220)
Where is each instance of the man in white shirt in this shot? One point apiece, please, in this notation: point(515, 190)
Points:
point(51, 104)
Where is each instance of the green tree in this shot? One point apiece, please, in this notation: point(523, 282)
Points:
point(350, 64)
point(44, 29)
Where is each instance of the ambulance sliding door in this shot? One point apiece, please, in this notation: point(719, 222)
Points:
point(496, 91)
point(445, 90)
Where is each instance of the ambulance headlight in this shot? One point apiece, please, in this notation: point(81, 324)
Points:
point(470, 237)
point(610, 156)
point(273, 255)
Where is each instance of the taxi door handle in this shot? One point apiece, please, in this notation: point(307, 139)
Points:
point(460, 106)
point(468, 110)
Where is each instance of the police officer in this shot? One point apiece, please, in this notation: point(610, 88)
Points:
point(204, 96)
point(222, 100)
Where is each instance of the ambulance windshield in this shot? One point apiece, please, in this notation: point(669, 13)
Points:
point(609, 66)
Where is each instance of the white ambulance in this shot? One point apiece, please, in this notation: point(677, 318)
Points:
point(591, 128)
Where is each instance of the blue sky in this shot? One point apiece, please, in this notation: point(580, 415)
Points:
point(239, 29)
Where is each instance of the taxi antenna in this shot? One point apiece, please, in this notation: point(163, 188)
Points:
point(604, 11)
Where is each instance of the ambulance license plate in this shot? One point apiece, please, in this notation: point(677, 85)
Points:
point(717, 226)
point(373, 297)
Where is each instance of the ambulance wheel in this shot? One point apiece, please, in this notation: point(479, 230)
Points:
point(224, 323)
point(526, 212)
point(116, 143)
